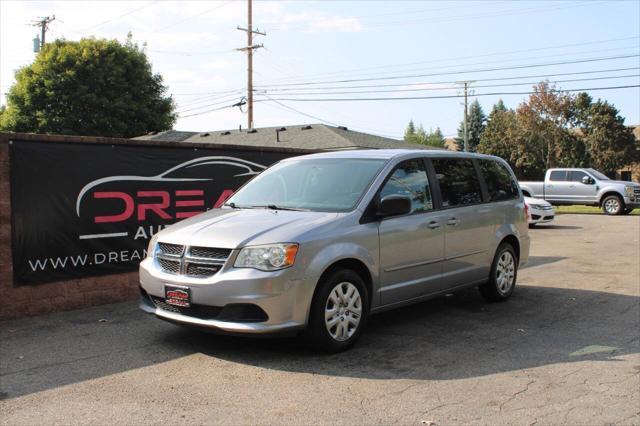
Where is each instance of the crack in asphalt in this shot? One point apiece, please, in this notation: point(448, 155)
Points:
point(515, 395)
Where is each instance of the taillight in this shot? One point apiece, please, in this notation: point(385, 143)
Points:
point(526, 210)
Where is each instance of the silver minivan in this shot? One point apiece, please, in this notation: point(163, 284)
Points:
point(317, 243)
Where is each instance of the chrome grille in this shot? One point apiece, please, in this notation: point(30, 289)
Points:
point(209, 252)
point(171, 249)
point(196, 270)
point(169, 266)
point(195, 262)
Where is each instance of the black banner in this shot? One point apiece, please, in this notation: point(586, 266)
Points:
point(90, 209)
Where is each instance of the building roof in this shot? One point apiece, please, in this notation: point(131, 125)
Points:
point(309, 136)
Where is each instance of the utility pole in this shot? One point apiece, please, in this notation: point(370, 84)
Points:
point(43, 23)
point(465, 124)
point(249, 49)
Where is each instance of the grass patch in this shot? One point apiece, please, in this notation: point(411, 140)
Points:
point(584, 210)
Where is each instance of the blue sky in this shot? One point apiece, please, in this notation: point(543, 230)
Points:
point(311, 46)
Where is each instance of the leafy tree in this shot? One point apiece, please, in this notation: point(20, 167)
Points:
point(610, 144)
point(476, 120)
point(434, 138)
point(89, 87)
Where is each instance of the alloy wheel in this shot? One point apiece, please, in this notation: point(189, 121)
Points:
point(505, 272)
point(612, 205)
point(343, 311)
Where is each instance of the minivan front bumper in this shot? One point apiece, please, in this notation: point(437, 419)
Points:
point(280, 295)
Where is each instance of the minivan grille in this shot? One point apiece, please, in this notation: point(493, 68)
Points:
point(209, 252)
point(195, 262)
point(171, 249)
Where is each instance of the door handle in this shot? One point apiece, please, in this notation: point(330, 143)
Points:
point(452, 221)
point(433, 224)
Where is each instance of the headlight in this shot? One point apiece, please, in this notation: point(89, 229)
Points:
point(151, 248)
point(268, 257)
point(536, 206)
point(629, 190)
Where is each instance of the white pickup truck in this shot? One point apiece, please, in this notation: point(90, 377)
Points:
point(586, 187)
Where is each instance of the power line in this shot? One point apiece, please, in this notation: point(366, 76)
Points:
point(287, 107)
point(398, 77)
point(229, 99)
point(238, 104)
point(574, 56)
point(445, 96)
point(129, 12)
point(191, 17)
point(355, 70)
point(452, 82)
point(528, 83)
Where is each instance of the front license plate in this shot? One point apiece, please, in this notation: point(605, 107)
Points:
point(177, 296)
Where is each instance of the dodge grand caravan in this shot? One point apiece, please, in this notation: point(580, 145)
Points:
point(317, 243)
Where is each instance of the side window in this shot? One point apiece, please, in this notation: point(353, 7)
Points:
point(558, 175)
point(500, 184)
point(576, 176)
point(458, 182)
point(410, 179)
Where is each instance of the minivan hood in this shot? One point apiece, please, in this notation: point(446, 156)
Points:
point(232, 228)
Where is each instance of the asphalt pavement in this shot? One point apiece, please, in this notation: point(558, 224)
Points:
point(565, 349)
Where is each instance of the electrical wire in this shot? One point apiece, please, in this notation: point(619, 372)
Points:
point(398, 77)
point(212, 110)
point(456, 58)
point(446, 96)
point(453, 82)
point(529, 83)
point(131, 11)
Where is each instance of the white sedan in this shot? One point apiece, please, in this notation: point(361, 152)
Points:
point(540, 211)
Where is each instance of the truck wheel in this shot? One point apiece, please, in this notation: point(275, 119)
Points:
point(613, 205)
point(504, 272)
point(338, 313)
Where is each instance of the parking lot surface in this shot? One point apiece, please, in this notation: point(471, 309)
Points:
point(564, 349)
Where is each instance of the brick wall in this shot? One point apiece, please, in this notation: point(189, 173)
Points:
point(42, 298)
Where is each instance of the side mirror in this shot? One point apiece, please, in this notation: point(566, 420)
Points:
point(394, 205)
point(587, 180)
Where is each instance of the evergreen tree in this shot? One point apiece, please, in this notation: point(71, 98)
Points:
point(435, 138)
point(476, 122)
point(410, 132)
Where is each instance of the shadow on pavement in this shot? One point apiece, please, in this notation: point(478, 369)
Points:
point(542, 227)
point(541, 260)
point(454, 337)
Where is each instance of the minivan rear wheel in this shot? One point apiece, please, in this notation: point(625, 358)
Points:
point(504, 271)
point(339, 311)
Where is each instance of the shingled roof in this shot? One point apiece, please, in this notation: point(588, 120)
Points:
point(308, 136)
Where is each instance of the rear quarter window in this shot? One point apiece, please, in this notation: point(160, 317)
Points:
point(500, 183)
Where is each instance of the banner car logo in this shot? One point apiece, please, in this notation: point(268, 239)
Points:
point(178, 193)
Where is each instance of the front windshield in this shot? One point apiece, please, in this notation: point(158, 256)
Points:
point(597, 174)
point(315, 184)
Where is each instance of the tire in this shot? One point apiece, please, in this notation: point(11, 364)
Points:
point(613, 205)
point(532, 225)
point(496, 289)
point(336, 287)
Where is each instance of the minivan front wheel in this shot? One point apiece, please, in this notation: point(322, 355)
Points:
point(339, 311)
point(504, 272)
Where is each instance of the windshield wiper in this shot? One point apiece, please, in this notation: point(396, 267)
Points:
point(275, 207)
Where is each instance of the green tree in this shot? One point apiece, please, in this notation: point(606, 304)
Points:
point(609, 143)
point(476, 120)
point(410, 132)
point(434, 138)
point(89, 87)
point(499, 106)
